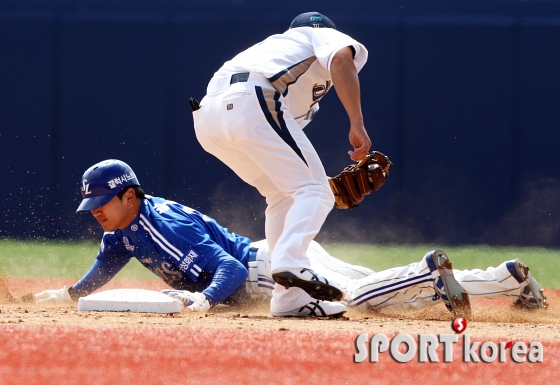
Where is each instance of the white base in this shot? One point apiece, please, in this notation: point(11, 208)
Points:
point(134, 300)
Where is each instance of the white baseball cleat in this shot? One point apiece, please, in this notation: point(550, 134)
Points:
point(315, 309)
point(315, 285)
point(532, 295)
point(454, 297)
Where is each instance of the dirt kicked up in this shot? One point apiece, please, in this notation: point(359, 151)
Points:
point(56, 344)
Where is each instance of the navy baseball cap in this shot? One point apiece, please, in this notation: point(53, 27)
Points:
point(313, 20)
point(104, 180)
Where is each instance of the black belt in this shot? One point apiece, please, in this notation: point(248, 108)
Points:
point(241, 77)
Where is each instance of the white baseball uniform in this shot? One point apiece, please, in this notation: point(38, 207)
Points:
point(406, 287)
point(252, 119)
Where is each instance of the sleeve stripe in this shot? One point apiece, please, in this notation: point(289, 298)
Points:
point(159, 239)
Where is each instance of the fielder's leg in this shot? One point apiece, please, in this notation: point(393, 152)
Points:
point(277, 158)
point(295, 302)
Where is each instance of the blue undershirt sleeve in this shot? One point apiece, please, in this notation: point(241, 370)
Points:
point(98, 275)
point(228, 275)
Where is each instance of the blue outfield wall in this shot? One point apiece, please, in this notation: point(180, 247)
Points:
point(463, 97)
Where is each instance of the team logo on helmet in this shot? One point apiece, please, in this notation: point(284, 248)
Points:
point(85, 187)
point(316, 21)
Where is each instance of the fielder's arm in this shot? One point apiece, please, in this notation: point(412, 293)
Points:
point(347, 85)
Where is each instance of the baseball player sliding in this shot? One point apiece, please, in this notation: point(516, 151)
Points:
point(252, 119)
point(205, 265)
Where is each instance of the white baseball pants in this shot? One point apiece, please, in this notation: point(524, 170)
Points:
point(247, 126)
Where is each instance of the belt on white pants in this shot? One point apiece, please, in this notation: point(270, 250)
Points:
point(221, 82)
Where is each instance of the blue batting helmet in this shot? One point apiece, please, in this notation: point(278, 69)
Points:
point(313, 20)
point(102, 181)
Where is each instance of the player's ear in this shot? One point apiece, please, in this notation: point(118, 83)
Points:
point(129, 195)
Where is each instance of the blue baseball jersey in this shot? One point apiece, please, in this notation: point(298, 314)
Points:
point(186, 249)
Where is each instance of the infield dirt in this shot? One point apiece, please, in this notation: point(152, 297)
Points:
point(492, 318)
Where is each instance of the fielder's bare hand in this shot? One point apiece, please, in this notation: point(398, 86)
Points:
point(359, 139)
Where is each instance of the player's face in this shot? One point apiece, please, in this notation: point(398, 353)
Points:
point(115, 214)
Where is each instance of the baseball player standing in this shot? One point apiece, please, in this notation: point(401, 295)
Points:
point(252, 119)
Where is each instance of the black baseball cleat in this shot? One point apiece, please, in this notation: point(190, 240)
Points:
point(312, 283)
point(454, 297)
